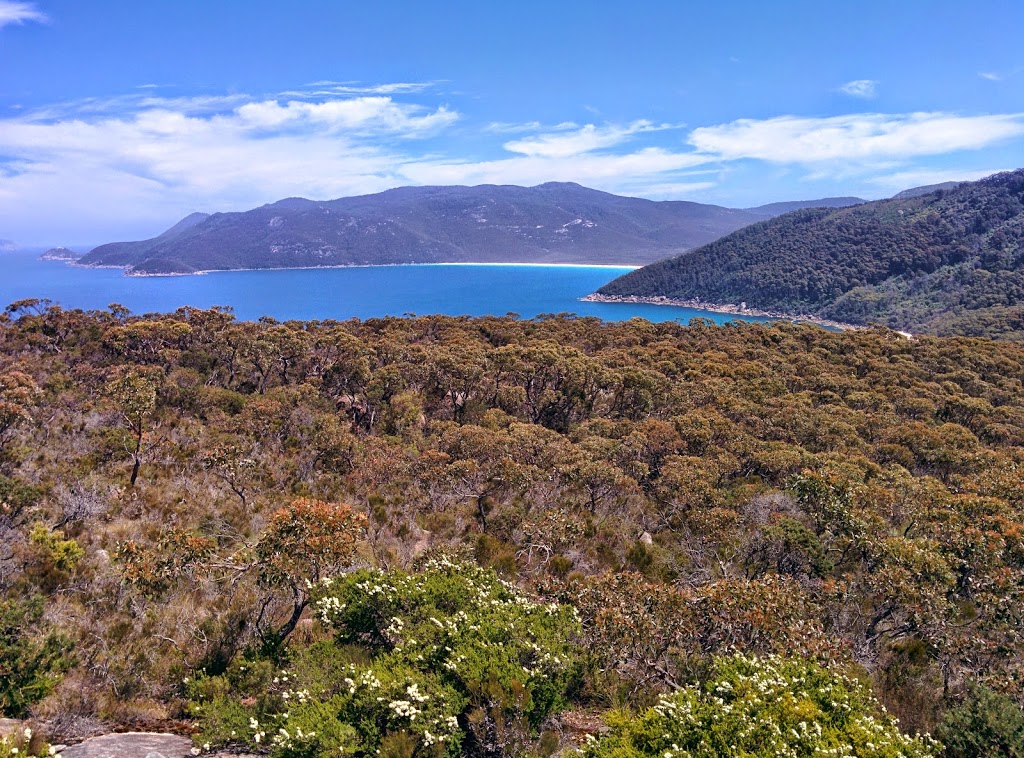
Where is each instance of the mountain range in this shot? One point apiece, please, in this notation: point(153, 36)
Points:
point(549, 223)
point(948, 261)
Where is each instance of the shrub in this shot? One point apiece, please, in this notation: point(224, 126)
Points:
point(15, 497)
point(508, 656)
point(763, 706)
point(29, 667)
point(445, 662)
point(985, 723)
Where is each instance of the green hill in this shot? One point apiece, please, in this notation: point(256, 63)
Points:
point(946, 262)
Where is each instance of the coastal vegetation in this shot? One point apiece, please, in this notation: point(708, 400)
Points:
point(492, 536)
point(946, 262)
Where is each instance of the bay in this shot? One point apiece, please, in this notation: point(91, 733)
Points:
point(339, 293)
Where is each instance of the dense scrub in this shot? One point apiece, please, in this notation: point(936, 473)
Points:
point(176, 487)
point(948, 262)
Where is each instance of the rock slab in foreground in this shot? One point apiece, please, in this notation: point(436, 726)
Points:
point(132, 745)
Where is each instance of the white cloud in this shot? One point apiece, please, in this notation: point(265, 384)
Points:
point(362, 114)
point(790, 139)
point(12, 12)
point(992, 76)
point(586, 139)
point(860, 88)
point(81, 176)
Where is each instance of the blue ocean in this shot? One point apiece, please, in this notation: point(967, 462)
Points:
point(337, 293)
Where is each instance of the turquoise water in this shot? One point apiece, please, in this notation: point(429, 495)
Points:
point(339, 293)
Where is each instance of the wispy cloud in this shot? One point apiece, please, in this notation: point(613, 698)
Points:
point(124, 106)
point(585, 139)
point(865, 88)
point(902, 180)
point(672, 190)
point(789, 139)
point(328, 88)
point(12, 12)
point(502, 127)
point(1003, 75)
point(613, 172)
point(357, 88)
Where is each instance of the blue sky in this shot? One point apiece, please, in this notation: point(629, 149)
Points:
point(119, 117)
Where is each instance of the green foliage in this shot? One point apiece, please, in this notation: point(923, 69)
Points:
point(445, 660)
point(15, 497)
point(31, 664)
point(51, 558)
point(764, 707)
point(985, 723)
point(60, 554)
point(154, 570)
point(134, 391)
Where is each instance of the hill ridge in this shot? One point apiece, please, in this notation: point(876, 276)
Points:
point(555, 222)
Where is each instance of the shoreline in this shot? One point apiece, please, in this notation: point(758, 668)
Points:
point(623, 266)
point(730, 308)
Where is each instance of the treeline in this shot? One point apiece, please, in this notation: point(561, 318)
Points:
point(174, 487)
point(948, 262)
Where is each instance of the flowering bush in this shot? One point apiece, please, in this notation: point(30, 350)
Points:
point(763, 706)
point(25, 743)
point(444, 662)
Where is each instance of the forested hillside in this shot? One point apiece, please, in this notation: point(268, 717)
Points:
point(454, 536)
point(947, 262)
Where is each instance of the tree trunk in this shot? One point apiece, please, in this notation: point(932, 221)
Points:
point(138, 461)
point(291, 623)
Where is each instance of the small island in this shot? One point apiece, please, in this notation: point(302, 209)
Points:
point(60, 254)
